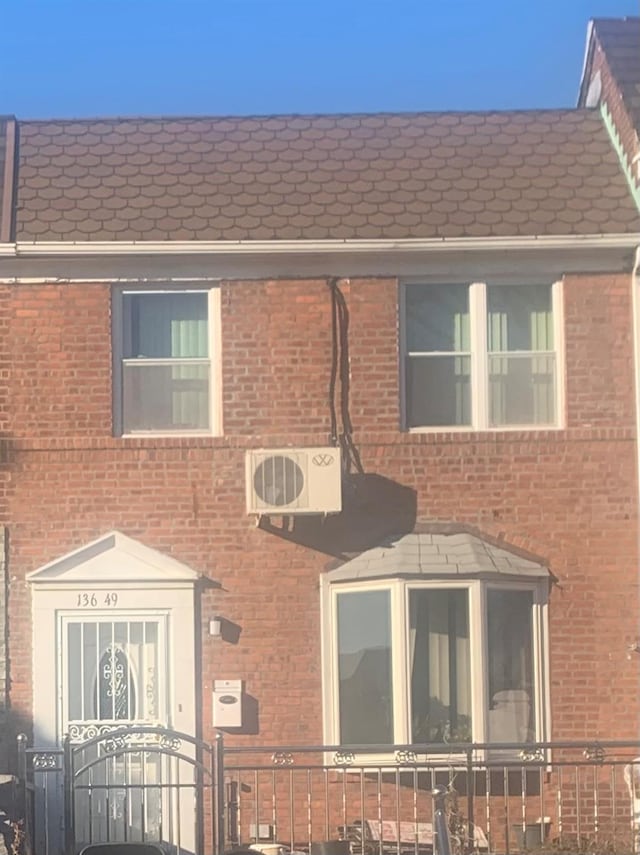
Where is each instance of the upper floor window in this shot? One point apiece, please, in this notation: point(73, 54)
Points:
point(481, 355)
point(165, 372)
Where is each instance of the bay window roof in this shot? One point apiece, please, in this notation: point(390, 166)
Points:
point(438, 554)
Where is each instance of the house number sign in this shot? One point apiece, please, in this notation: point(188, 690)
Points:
point(92, 600)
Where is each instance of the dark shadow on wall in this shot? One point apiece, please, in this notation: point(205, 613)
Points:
point(373, 508)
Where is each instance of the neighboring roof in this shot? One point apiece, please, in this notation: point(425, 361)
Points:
point(320, 177)
point(428, 555)
point(620, 41)
point(7, 152)
point(114, 557)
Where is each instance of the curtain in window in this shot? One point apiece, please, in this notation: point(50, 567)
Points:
point(521, 357)
point(440, 666)
point(172, 325)
point(510, 663)
point(161, 395)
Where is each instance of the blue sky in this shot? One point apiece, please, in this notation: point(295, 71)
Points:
point(69, 58)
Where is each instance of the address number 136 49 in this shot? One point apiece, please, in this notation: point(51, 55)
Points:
point(85, 600)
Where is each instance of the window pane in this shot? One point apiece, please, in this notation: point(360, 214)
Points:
point(74, 670)
point(440, 666)
point(510, 665)
point(165, 397)
point(437, 318)
point(113, 671)
point(522, 389)
point(364, 668)
point(438, 390)
point(165, 325)
point(519, 318)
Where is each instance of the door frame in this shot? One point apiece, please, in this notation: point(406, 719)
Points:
point(82, 584)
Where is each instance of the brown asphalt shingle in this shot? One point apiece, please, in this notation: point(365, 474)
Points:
point(316, 177)
point(620, 40)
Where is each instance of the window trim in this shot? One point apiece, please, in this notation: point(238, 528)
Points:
point(480, 356)
point(399, 590)
point(214, 329)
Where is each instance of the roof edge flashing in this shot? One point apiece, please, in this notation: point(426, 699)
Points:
point(9, 181)
point(29, 249)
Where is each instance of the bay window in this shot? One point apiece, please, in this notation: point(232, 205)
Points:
point(481, 355)
point(415, 662)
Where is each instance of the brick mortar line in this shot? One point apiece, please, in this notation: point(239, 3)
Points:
point(241, 443)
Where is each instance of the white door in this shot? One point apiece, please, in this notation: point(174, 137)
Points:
point(114, 674)
point(113, 647)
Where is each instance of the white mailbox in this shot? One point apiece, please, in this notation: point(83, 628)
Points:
point(227, 703)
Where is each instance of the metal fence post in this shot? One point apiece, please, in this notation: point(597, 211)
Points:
point(219, 816)
point(67, 776)
point(22, 807)
point(22, 775)
point(471, 785)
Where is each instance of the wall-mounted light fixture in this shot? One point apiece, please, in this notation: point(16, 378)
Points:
point(215, 627)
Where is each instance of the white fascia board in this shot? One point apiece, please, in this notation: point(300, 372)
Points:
point(585, 58)
point(8, 249)
point(24, 249)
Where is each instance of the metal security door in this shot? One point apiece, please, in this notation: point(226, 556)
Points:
point(115, 673)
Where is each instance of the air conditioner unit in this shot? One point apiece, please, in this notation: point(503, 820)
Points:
point(294, 481)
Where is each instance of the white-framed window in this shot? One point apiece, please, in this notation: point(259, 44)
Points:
point(167, 360)
point(481, 355)
point(438, 661)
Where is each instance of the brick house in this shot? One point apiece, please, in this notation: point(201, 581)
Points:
point(444, 302)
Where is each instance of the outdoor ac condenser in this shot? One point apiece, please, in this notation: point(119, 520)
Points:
point(294, 481)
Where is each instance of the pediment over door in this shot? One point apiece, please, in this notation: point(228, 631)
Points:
point(114, 557)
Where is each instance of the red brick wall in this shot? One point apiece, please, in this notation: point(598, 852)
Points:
point(612, 97)
point(569, 496)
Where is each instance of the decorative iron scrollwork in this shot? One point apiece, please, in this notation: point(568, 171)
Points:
point(344, 758)
point(406, 757)
point(532, 755)
point(81, 732)
point(43, 762)
point(170, 743)
point(282, 758)
point(595, 753)
point(114, 743)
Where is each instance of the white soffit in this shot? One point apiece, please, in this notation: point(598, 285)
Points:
point(114, 557)
point(437, 555)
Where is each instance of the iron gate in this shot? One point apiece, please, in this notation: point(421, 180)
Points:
point(130, 784)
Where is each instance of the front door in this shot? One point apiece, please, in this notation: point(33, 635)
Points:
point(115, 674)
point(114, 646)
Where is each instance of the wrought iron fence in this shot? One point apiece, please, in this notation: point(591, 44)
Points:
point(131, 785)
point(409, 800)
point(562, 796)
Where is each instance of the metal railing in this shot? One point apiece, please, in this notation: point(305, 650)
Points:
point(439, 799)
point(558, 796)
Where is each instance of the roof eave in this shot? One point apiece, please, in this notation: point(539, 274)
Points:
point(33, 249)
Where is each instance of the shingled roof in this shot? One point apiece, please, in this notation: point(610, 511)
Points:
point(620, 40)
point(318, 177)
